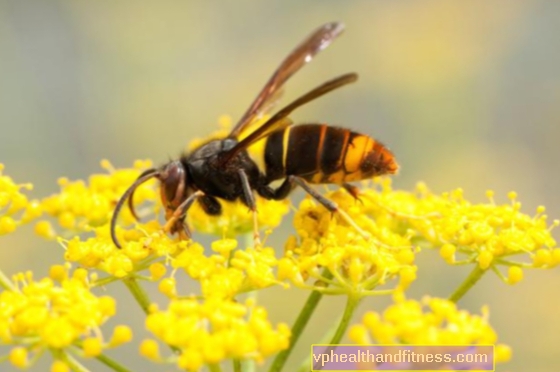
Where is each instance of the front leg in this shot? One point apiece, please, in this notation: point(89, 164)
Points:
point(175, 219)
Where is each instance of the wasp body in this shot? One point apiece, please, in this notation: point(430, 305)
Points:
point(300, 155)
point(319, 153)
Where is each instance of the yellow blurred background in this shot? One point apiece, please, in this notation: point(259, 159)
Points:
point(466, 94)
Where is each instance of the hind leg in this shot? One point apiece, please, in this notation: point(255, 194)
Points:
point(353, 190)
point(292, 181)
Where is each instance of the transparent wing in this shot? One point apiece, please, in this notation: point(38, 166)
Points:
point(281, 120)
point(304, 53)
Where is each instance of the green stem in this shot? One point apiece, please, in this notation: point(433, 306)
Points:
point(214, 367)
point(116, 366)
point(243, 365)
point(470, 281)
point(343, 322)
point(5, 282)
point(351, 304)
point(499, 274)
point(237, 365)
point(138, 292)
point(299, 326)
point(73, 363)
point(104, 281)
point(143, 300)
point(304, 366)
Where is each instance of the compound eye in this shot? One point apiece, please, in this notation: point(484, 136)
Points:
point(173, 180)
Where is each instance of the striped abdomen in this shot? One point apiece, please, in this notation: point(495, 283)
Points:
point(322, 154)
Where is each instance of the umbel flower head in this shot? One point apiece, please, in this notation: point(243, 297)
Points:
point(87, 207)
point(487, 235)
point(209, 332)
point(81, 206)
point(398, 223)
point(369, 248)
point(229, 271)
point(55, 314)
point(432, 321)
point(357, 264)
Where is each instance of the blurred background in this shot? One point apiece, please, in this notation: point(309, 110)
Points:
point(466, 94)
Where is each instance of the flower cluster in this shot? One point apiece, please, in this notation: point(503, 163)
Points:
point(140, 248)
point(485, 234)
point(80, 206)
point(433, 321)
point(357, 264)
point(230, 271)
point(208, 332)
point(367, 248)
point(236, 219)
point(56, 313)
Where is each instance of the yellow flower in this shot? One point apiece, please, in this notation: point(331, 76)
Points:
point(140, 247)
point(15, 207)
point(236, 218)
point(357, 264)
point(227, 274)
point(80, 206)
point(487, 234)
point(55, 312)
point(433, 321)
point(372, 242)
point(59, 366)
point(216, 329)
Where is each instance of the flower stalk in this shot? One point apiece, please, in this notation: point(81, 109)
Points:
point(138, 293)
point(351, 304)
point(301, 322)
point(6, 283)
point(475, 275)
point(111, 363)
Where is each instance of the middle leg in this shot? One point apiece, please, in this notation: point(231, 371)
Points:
point(249, 200)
